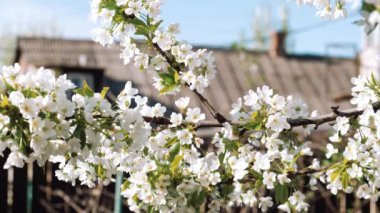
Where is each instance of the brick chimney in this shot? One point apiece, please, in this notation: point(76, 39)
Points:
point(278, 44)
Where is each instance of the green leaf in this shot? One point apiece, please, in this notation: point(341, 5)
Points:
point(253, 126)
point(142, 31)
point(281, 193)
point(167, 79)
point(125, 185)
point(104, 92)
point(108, 4)
point(176, 77)
point(200, 198)
point(344, 180)
point(137, 22)
point(226, 190)
point(80, 133)
point(175, 163)
point(100, 171)
point(196, 199)
point(150, 209)
point(368, 7)
point(231, 145)
point(168, 89)
point(174, 151)
point(85, 90)
point(154, 27)
point(335, 174)
point(360, 22)
point(5, 101)
point(8, 86)
point(171, 142)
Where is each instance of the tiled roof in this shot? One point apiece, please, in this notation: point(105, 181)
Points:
point(318, 81)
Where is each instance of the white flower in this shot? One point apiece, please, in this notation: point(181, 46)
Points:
point(283, 179)
point(262, 162)
point(251, 100)
point(163, 40)
point(129, 90)
point(159, 63)
point(185, 136)
point(374, 18)
point(238, 167)
point(355, 171)
point(265, 94)
point(129, 51)
point(265, 203)
point(330, 150)
point(4, 120)
point(102, 37)
point(297, 197)
point(236, 108)
point(29, 108)
point(325, 13)
point(277, 102)
point(141, 61)
point(134, 7)
point(141, 101)
point(295, 108)
point(285, 208)
point(16, 159)
point(269, 179)
point(107, 15)
point(199, 84)
point(214, 178)
point(11, 71)
point(363, 192)
point(351, 150)
point(342, 125)
point(194, 115)
point(174, 28)
point(340, 12)
point(249, 198)
point(158, 110)
point(16, 98)
point(182, 103)
point(175, 119)
point(277, 123)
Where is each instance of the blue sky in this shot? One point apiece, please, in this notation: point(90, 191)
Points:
point(205, 22)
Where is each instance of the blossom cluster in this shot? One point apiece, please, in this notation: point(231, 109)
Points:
point(327, 9)
point(167, 165)
point(135, 23)
point(254, 160)
point(84, 134)
point(355, 147)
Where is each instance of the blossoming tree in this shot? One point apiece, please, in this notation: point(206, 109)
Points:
point(255, 160)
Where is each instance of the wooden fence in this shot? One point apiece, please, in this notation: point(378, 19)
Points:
point(33, 190)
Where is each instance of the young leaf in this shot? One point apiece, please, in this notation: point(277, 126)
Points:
point(281, 193)
point(174, 165)
point(104, 92)
point(5, 101)
point(174, 151)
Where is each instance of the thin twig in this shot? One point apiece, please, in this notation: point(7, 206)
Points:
point(66, 198)
point(170, 59)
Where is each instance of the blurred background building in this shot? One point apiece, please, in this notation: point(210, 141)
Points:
point(283, 47)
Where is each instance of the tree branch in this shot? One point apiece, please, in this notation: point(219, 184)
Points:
point(330, 117)
point(171, 60)
point(317, 121)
